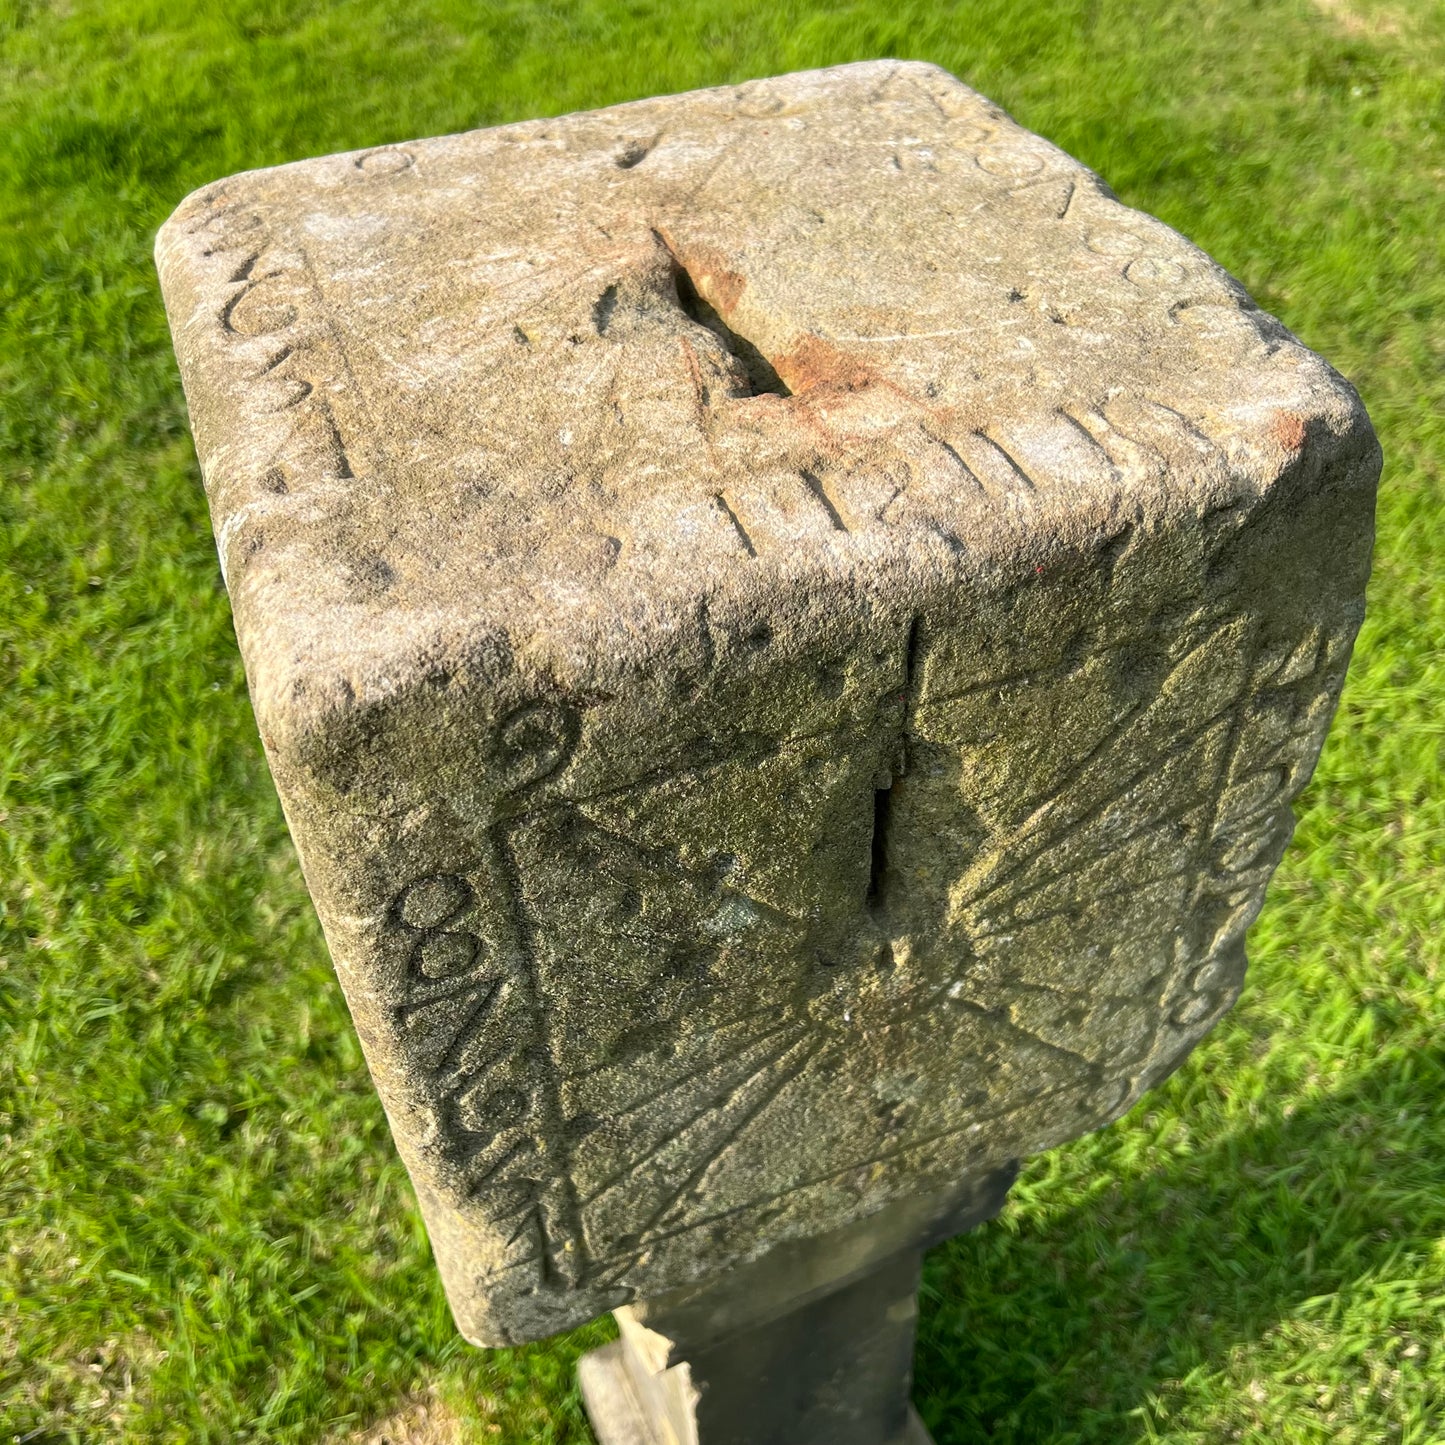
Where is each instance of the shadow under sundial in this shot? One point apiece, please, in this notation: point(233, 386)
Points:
point(1078, 1325)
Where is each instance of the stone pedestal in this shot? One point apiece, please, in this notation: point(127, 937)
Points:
point(832, 1372)
point(812, 1345)
point(787, 623)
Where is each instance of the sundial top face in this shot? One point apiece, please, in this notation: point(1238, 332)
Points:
point(787, 622)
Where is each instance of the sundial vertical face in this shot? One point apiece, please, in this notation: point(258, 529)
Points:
point(787, 623)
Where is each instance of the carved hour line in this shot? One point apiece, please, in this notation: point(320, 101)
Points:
point(710, 1106)
point(518, 1150)
point(1202, 860)
point(611, 1272)
point(1016, 922)
point(1090, 439)
point(957, 460)
point(1140, 715)
point(1068, 1090)
point(1141, 826)
point(1015, 919)
point(1026, 481)
point(529, 1218)
point(1227, 755)
point(706, 1067)
point(1038, 832)
point(549, 1109)
point(758, 754)
point(734, 1022)
point(725, 1140)
point(815, 486)
point(1036, 826)
point(663, 861)
point(732, 517)
point(412, 1005)
point(1088, 993)
point(994, 1019)
point(999, 683)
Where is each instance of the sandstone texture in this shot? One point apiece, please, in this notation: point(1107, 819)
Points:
point(786, 621)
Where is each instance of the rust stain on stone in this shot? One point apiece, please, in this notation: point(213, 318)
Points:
point(1288, 430)
point(817, 364)
point(717, 283)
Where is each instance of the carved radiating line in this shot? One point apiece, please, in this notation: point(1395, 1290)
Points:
point(774, 746)
point(593, 1069)
point(518, 1149)
point(529, 1216)
point(711, 1106)
point(1069, 1091)
point(1013, 923)
point(999, 682)
point(1227, 756)
point(1087, 820)
point(1036, 825)
point(1068, 200)
point(994, 1018)
point(705, 1067)
point(1088, 992)
point(733, 517)
point(664, 862)
point(494, 1271)
point(610, 1271)
point(811, 1050)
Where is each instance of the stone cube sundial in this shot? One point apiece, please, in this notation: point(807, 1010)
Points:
point(787, 623)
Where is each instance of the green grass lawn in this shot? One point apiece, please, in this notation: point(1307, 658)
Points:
point(206, 1234)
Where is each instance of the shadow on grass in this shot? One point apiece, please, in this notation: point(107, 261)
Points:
point(1105, 1319)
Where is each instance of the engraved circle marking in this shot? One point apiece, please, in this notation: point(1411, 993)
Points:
point(1154, 270)
point(1115, 243)
point(534, 741)
point(1010, 163)
point(436, 899)
point(254, 313)
point(1194, 1010)
point(442, 955)
point(388, 161)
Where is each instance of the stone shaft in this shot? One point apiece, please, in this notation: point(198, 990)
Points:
point(811, 1345)
point(786, 622)
point(836, 1371)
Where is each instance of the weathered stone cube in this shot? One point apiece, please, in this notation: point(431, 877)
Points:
point(786, 622)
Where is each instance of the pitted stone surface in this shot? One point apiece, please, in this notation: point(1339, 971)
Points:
point(786, 622)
